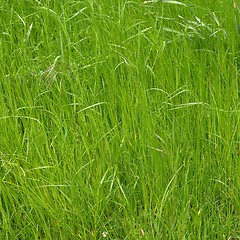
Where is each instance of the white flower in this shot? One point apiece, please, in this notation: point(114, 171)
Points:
point(104, 234)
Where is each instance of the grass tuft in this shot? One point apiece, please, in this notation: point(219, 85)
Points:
point(119, 120)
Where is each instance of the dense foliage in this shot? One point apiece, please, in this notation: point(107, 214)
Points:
point(119, 120)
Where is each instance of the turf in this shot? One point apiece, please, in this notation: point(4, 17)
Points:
point(119, 120)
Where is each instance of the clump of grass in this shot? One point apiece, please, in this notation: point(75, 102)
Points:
point(119, 120)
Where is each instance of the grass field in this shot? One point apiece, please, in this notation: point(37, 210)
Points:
point(119, 120)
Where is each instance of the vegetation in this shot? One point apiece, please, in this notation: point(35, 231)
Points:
point(119, 119)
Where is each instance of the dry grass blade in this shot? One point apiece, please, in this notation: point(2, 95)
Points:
point(165, 1)
point(237, 11)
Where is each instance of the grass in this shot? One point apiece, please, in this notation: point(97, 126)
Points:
point(119, 120)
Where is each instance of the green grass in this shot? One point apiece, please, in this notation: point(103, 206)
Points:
point(120, 117)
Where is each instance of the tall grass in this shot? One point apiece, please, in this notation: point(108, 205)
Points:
point(119, 120)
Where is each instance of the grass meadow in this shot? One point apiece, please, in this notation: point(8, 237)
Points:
point(119, 120)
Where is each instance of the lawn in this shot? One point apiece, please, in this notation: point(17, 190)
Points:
point(119, 120)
